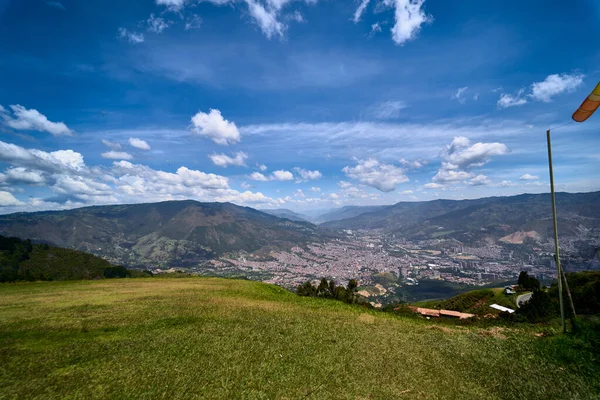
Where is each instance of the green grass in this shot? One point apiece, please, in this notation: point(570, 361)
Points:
point(232, 339)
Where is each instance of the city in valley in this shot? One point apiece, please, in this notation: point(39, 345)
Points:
point(386, 267)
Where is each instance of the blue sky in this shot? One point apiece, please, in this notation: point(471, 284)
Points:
point(301, 104)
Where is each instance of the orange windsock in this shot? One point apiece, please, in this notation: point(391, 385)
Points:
point(588, 106)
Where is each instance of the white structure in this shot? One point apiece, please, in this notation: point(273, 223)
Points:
point(501, 308)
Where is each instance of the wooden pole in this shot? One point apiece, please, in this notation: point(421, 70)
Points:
point(558, 269)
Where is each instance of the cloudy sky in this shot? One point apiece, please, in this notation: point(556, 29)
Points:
point(301, 104)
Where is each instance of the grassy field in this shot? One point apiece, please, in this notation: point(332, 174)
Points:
point(215, 338)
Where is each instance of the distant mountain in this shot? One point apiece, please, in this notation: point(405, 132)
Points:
point(288, 214)
point(175, 233)
point(514, 219)
point(345, 213)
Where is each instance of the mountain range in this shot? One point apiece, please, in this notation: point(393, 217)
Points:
point(507, 219)
point(175, 233)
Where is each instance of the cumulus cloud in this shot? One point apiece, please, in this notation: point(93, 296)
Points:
point(257, 176)
point(409, 16)
point(480, 180)
point(414, 164)
point(460, 95)
point(461, 154)
point(111, 145)
point(117, 155)
point(223, 160)
point(57, 161)
point(529, 177)
point(139, 144)
point(7, 199)
point(282, 175)
point(315, 189)
point(157, 24)
point(508, 100)
point(20, 175)
point(173, 4)
point(360, 10)
point(32, 120)
point(262, 167)
point(215, 127)
point(132, 37)
point(383, 177)
point(460, 157)
point(344, 184)
point(433, 186)
point(306, 175)
point(555, 84)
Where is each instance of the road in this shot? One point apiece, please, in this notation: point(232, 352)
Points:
point(523, 298)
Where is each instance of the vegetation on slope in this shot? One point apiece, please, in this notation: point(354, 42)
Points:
point(228, 339)
point(22, 260)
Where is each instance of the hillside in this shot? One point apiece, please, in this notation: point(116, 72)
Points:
point(22, 260)
point(175, 233)
point(226, 339)
point(285, 213)
point(524, 217)
point(346, 213)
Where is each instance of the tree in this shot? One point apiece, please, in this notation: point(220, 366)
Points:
point(528, 282)
point(351, 291)
point(323, 289)
point(539, 308)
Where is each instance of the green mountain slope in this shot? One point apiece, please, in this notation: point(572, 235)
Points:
point(176, 233)
point(22, 260)
point(491, 218)
point(288, 214)
point(187, 338)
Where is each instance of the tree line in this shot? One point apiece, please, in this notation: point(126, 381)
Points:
point(329, 290)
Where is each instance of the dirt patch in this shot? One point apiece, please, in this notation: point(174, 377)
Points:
point(366, 318)
point(495, 332)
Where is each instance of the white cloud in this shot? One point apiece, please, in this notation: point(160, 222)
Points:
point(262, 167)
point(246, 185)
point(7, 199)
point(507, 100)
point(307, 175)
point(111, 145)
point(132, 37)
point(360, 10)
point(407, 192)
point(266, 19)
point(383, 177)
point(32, 120)
point(22, 175)
point(173, 4)
point(299, 193)
point(257, 176)
point(193, 22)
point(409, 17)
point(460, 95)
point(57, 161)
point(157, 25)
point(529, 177)
point(139, 144)
point(315, 189)
point(117, 155)
point(414, 164)
point(376, 27)
point(433, 186)
point(296, 16)
point(480, 180)
point(389, 109)
point(282, 175)
point(344, 184)
point(215, 127)
point(555, 84)
point(223, 160)
point(334, 196)
point(462, 154)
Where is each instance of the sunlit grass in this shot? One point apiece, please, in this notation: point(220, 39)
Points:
point(229, 339)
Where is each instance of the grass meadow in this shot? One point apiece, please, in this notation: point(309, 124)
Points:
point(210, 338)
